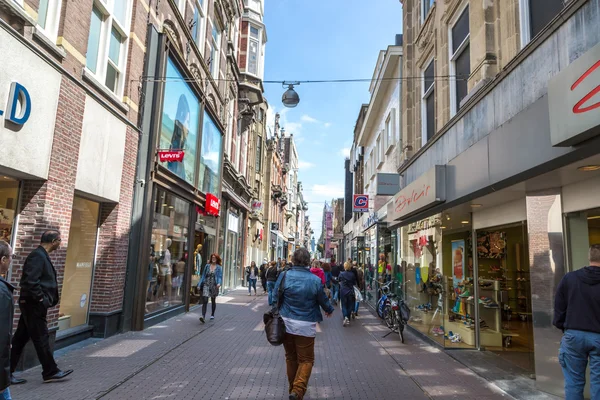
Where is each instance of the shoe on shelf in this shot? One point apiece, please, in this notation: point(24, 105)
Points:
point(16, 381)
point(59, 376)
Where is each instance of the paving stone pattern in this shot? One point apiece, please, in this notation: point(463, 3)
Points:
point(229, 358)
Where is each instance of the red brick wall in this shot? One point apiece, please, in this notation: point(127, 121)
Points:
point(48, 205)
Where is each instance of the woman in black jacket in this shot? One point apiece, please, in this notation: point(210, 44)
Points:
point(251, 277)
point(272, 275)
point(347, 283)
point(262, 272)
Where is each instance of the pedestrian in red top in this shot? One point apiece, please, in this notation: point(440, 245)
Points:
point(318, 271)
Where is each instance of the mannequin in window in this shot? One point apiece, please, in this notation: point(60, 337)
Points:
point(165, 272)
point(179, 273)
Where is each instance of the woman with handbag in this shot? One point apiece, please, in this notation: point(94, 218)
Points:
point(210, 283)
point(347, 283)
point(299, 303)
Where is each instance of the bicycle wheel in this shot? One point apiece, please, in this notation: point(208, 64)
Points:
point(401, 331)
point(388, 316)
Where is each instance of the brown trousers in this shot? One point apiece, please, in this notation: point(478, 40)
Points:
point(299, 359)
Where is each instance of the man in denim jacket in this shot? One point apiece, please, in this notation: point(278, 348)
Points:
point(301, 302)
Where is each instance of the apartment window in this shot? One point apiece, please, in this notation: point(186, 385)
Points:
point(199, 24)
point(215, 50)
point(372, 166)
point(535, 15)
point(258, 165)
point(107, 43)
point(180, 6)
point(49, 17)
point(460, 60)
point(428, 103)
point(425, 7)
point(390, 131)
point(380, 150)
point(253, 50)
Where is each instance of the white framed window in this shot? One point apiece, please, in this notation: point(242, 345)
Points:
point(428, 103)
point(380, 149)
point(180, 6)
point(460, 60)
point(214, 44)
point(390, 131)
point(425, 7)
point(535, 15)
point(373, 165)
point(108, 42)
point(254, 50)
point(199, 24)
point(49, 18)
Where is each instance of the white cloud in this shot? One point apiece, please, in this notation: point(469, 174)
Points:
point(345, 152)
point(305, 164)
point(308, 118)
point(327, 124)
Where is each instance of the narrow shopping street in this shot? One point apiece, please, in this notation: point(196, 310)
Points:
point(230, 359)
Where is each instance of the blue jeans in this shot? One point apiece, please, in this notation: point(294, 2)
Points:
point(271, 289)
point(251, 284)
point(356, 305)
point(5, 395)
point(335, 291)
point(347, 305)
point(576, 347)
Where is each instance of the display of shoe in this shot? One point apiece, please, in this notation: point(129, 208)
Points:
point(466, 293)
point(455, 339)
point(491, 305)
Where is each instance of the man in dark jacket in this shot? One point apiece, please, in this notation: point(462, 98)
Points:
point(271, 275)
point(577, 314)
point(6, 320)
point(39, 291)
point(335, 283)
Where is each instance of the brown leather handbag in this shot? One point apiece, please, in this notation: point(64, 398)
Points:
point(274, 324)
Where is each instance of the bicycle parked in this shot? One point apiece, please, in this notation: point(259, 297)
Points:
point(393, 310)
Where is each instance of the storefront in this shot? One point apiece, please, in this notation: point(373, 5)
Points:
point(232, 250)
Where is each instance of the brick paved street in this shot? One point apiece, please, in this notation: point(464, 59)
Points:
point(230, 359)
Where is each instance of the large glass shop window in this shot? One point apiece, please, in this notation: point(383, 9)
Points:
point(180, 123)
point(168, 252)
point(79, 264)
point(9, 191)
point(210, 159)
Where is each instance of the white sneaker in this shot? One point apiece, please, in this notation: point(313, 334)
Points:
point(346, 321)
point(212, 317)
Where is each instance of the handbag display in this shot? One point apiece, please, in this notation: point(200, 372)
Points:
point(274, 324)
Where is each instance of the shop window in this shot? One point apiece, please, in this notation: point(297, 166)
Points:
point(460, 60)
point(49, 17)
point(428, 103)
point(9, 192)
point(535, 15)
point(79, 264)
point(180, 122)
point(210, 157)
point(168, 261)
point(106, 55)
point(583, 231)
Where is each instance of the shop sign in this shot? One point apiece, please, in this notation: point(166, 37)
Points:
point(427, 191)
point(387, 184)
point(574, 101)
point(18, 106)
point(371, 220)
point(213, 204)
point(274, 226)
point(257, 206)
point(360, 203)
point(171, 155)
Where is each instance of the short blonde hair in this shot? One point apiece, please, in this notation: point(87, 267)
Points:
point(347, 266)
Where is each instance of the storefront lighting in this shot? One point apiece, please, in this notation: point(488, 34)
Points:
point(443, 227)
point(588, 168)
point(165, 204)
point(464, 222)
point(475, 205)
point(447, 217)
point(594, 217)
point(171, 207)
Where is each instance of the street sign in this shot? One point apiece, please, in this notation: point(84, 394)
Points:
point(360, 203)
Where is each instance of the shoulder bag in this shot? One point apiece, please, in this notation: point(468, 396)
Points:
point(274, 324)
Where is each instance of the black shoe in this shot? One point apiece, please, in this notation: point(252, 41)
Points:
point(294, 396)
point(202, 319)
point(16, 381)
point(60, 375)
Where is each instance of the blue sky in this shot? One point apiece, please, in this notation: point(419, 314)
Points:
point(316, 40)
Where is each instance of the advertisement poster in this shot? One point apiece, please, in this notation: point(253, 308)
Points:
point(210, 156)
point(179, 128)
point(458, 261)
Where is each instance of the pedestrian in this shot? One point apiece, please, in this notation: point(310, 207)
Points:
point(347, 282)
point(327, 271)
point(39, 292)
point(6, 317)
point(318, 271)
point(271, 275)
point(302, 296)
point(263, 277)
point(359, 283)
point(335, 283)
point(209, 285)
point(251, 277)
point(577, 314)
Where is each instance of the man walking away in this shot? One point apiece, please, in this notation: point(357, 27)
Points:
point(263, 277)
point(335, 283)
point(271, 275)
point(6, 320)
point(39, 292)
point(577, 314)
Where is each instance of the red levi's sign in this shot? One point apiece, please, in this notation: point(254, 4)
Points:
point(213, 204)
point(171, 155)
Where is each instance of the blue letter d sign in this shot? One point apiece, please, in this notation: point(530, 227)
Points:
point(19, 104)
